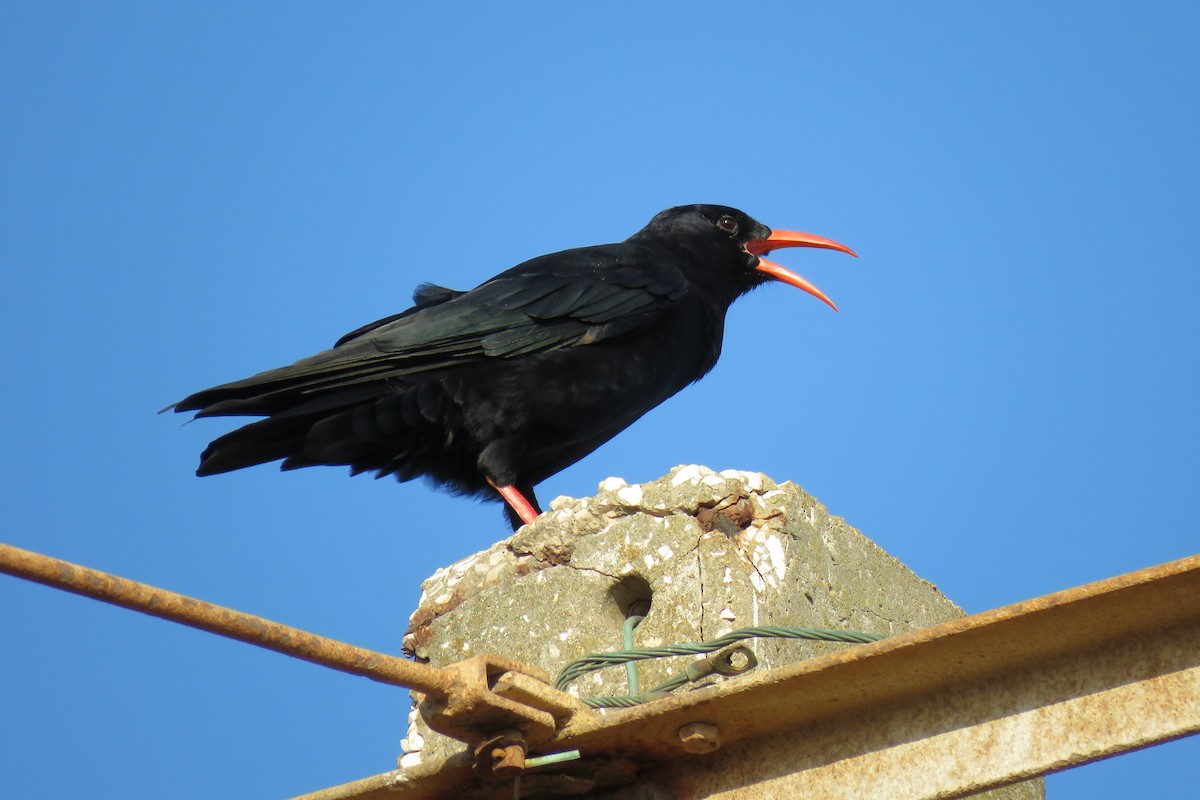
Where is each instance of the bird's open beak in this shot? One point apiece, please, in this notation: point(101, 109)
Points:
point(780, 239)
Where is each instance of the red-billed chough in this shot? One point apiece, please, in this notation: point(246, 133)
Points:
point(490, 391)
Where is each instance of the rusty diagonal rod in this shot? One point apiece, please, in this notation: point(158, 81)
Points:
point(223, 621)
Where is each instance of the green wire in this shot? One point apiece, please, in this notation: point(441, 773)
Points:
point(596, 661)
point(630, 655)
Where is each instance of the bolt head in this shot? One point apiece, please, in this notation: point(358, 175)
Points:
point(699, 737)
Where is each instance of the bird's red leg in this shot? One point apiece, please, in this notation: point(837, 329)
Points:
point(516, 501)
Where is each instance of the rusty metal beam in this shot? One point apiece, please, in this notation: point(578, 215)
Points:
point(470, 700)
point(223, 621)
point(943, 712)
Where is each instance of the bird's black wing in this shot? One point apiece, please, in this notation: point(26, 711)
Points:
point(572, 298)
point(424, 296)
point(576, 297)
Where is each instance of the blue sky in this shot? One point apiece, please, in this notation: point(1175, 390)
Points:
point(195, 192)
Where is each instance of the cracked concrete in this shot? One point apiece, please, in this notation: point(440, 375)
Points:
point(712, 552)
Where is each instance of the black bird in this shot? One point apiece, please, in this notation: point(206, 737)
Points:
point(500, 387)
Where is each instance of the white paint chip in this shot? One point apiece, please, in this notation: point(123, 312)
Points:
point(776, 556)
point(756, 581)
point(630, 494)
point(690, 473)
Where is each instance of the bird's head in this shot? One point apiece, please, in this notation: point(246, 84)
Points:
point(737, 239)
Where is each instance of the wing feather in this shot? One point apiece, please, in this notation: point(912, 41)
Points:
point(568, 299)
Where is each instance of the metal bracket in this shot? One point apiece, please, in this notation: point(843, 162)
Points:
point(490, 693)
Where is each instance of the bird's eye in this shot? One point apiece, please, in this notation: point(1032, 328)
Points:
point(728, 224)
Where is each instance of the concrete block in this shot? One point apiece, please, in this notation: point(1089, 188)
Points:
point(710, 552)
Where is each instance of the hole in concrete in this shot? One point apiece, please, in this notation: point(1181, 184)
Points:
point(632, 596)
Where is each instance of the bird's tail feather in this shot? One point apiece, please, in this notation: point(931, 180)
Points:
point(360, 427)
point(257, 443)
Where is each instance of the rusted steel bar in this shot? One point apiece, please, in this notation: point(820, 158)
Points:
point(224, 621)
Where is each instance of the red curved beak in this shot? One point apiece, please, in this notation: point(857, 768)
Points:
point(781, 239)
